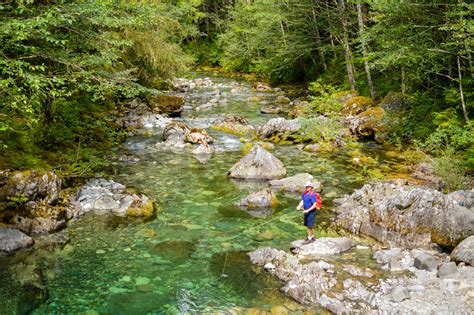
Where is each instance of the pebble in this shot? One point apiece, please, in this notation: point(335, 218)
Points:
point(128, 249)
point(100, 251)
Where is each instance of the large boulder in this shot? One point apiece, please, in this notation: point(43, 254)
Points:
point(409, 216)
point(464, 252)
point(32, 185)
point(258, 164)
point(277, 127)
point(395, 102)
point(234, 124)
point(295, 183)
point(258, 200)
point(170, 105)
point(12, 239)
point(356, 105)
point(103, 196)
point(322, 246)
point(367, 123)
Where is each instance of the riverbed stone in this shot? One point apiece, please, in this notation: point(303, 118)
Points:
point(447, 270)
point(174, 134)
point(262, 199)
point(270, 109)
point(295, 183)
point(322, 246)
point(103, 196)
point(399, 294)
point(399, 214)
point(277, 127)
point(426, 261)
point(464, 252)
point(12, 240)
point(258, 164)
point(234, 124)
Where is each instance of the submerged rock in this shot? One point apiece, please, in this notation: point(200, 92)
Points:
point(12, 240)
point(322, 246)
point(271, 109)
point(177, 251)
point(295, 183)
point(258, 200)
point(262, 87)
point(410, 216)
point(464, 252)
point(258, 164)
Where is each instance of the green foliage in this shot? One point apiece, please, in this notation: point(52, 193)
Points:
point(324, 101)
point(16, 201)
point(321, 129)
point(452, 170)
point(65, 64)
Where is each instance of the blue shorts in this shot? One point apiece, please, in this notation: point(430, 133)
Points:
point(309, 218)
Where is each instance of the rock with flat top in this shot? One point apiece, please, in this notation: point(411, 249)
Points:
point(322, 246)
point(464, 252)
point(258, 164)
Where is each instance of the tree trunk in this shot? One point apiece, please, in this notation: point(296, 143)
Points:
point(463, 103)
point(373, 93)
point(347, 47)
point(404, 85)
point(318, 41)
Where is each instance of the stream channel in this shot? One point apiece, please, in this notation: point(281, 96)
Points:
point(192, 256)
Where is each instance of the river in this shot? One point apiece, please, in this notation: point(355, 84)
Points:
point(192, 256)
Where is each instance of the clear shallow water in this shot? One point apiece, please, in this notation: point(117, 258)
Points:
point(191, 257)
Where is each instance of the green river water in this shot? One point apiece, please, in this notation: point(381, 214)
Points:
point(192, 257)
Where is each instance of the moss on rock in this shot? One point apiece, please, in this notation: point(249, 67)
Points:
point(356, 105)
point(145, 210)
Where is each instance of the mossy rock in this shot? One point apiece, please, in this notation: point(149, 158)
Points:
point(141, 211)
point(282, 99)
point(359, 158)
point(249, 145)
point(343, 96)
point(177, 251)
point(370, 121)
point(356, 105)
point(170, 105)
point(395, 102)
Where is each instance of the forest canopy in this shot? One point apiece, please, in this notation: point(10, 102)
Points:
point(65, 64)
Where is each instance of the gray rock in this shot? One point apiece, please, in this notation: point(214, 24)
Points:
point(357, 272)
point(385, 256)
point(464, 252)
point(204, 149)
point(261, 199)
point(399, 294)
point(295, 183)
point(109, 197)
point(447, 270)
point(278, 126)
point(464, 198)
point(454, 286)
point(33, 185)
point(426, 261)
point(322, 246)
point(12, 240)
point(398, 214)
point(258, 164)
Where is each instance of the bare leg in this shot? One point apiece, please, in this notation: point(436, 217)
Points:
point(310, 233)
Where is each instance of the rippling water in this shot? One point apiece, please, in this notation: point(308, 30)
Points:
point(192, 256)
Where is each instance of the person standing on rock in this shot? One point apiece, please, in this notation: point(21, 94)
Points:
point(309, 204)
